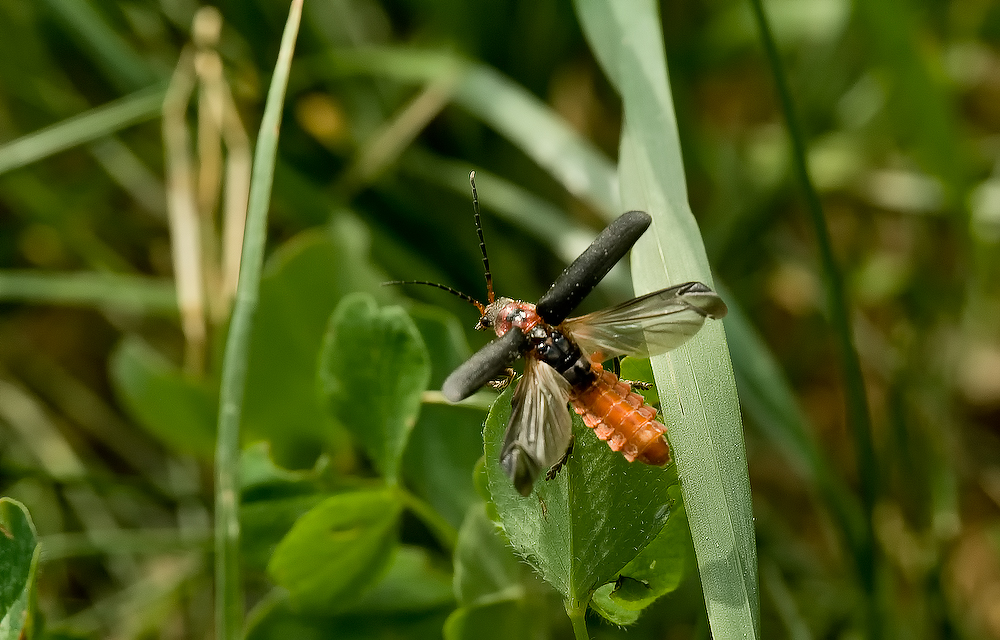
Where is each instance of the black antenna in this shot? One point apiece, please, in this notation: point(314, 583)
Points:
point(482, 243)
point(467, 298)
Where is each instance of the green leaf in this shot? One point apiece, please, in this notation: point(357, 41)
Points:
point(696, 384)
point(272, 499)
point(609, 609)
point(303, 281)
point(337, 549)
point(485, 568)
point(500, 598)
point(264, 523)
point(261, 477)
point(441, 455)
point(444, 338)
point(373, 369)
point(258, 469)
point(413, 583)
point(501, 619)
point(656, 571)
point(579, 529)
point(19, 554)
point(176, 409)
point(280, 621)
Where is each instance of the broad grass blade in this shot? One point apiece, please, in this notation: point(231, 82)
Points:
point(696, 383)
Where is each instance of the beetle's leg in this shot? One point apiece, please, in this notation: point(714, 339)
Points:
point(502, 381)
point(554, 469)
point(639, 385)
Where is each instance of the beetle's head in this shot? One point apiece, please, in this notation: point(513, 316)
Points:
point(491, 314)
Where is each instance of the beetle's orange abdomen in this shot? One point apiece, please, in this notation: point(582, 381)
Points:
point(620, 417)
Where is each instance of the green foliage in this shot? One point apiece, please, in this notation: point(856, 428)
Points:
point(373, 369)
point(175, 408)
point(443, 448)
point(497, 598)
point(413, 583)
point(338, 548)
point(19, 553)
point(696, 383)
point(580, 529)
point(350, 500)
point(302, 283)
point(655, 572)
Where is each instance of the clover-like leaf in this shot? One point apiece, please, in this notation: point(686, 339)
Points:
point(300, 287)
point(373, 370)
point(337, 549)
point(656, 571)
point(175, 408)
point(582, 527)
point(19, 553)
point(499, 597)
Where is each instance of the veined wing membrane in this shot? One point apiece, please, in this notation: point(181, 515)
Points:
point(540, 426)
point(649, 325)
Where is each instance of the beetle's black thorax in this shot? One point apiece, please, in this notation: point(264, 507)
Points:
point(554, 348)
point(545, 342)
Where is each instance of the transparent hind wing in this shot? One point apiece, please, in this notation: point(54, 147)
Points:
point(540, 427)
point(648, 325)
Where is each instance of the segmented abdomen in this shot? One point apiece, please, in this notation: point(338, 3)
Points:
point(619, 416)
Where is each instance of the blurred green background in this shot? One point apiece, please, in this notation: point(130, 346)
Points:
point(390, 105)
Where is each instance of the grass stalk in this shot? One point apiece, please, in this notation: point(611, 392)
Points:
point(228, 593)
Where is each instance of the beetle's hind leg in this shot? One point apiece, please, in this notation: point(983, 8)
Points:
point(554, 469)
point(502, 381)
point(639, 385)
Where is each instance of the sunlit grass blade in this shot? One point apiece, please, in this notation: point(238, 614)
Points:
point(696, 383)
point(228, 596)
point(86, 127)
point(118, 291)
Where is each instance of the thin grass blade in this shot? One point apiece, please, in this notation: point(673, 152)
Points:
point(86, 127)
point(119, 291)
point(855, 394)
point(228, 597)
